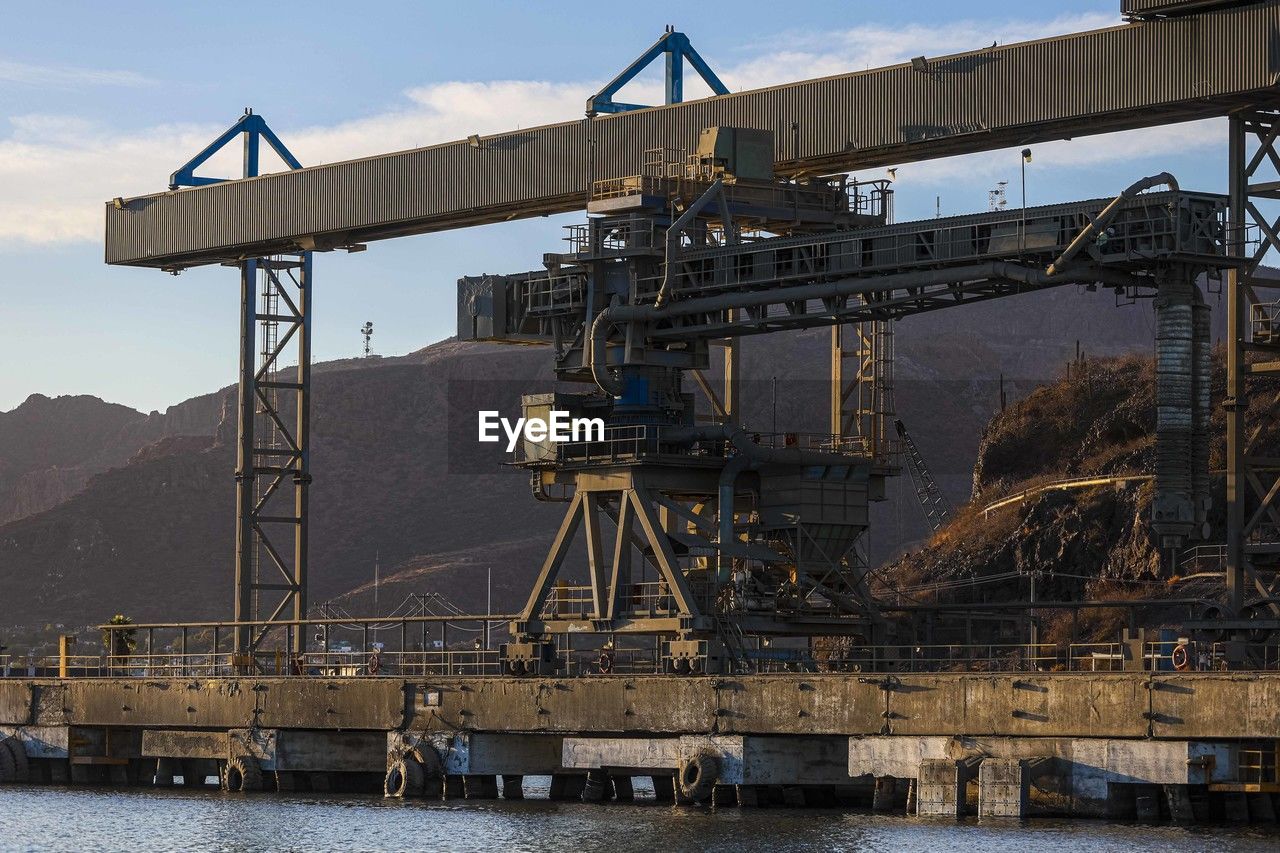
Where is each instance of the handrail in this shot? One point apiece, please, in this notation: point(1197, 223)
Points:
point(337, 620)
point(1057, 485)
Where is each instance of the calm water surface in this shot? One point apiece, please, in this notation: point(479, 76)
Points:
point(44, 818)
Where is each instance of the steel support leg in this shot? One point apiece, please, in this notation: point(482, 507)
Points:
point(862, 404)
point(273, 449)
point(1253, 483)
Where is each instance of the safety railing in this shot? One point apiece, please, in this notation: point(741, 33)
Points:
point(645, 657)
point(1018, 498)
point(1155, 225)
point(646, 598)
point(1167, 656)
point(631, 441)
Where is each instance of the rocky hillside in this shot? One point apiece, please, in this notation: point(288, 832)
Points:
point(50, 447)
point(143, 519)
point(1093, 542)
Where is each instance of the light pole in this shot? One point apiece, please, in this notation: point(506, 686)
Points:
point(1026, 158)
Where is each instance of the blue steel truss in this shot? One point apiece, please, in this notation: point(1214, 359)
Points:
point(254, 128)
point(677, 48)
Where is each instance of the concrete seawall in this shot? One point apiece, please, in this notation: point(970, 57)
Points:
point(1162, 746)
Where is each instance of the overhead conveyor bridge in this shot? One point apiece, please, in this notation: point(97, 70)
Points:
point(1213, 61)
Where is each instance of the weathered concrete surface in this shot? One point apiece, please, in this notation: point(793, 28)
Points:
point(1077, 775)
point(1240, 705)
point(40, 741)
point(663, 754)
point(166, 743)
point(940, 788)
point(567, 705)
point(807, 705)
point(312, 751)
point(1070, 704)
point(220, 703)
point(744, 760)
point(483, 753)
point(1096, 705)
point(15, 703)
point(333, 703)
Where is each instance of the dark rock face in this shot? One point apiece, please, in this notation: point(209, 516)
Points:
point(1089, 542)
point(51, 447)
point(1096, 421)
point(145, 525)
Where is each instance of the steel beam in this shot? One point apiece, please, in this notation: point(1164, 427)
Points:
point(1253, 484)
point(1070, 86)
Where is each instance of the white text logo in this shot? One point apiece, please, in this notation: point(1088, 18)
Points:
point(559, 427)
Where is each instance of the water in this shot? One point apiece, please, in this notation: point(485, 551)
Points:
point(176, 819)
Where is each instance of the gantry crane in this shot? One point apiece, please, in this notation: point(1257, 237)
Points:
point(1006, 95)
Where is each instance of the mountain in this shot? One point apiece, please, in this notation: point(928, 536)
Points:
point(144, 521)
point(50, 447)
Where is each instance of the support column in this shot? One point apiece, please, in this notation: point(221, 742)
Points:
point(862, 403)
point(940, 786)
point(247, 403)
point(273, 449)
point(1253, 326)
point(733, 380)
point(1236, 402)
point(1003, 788)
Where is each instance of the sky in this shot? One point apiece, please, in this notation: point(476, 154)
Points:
point(101, 100)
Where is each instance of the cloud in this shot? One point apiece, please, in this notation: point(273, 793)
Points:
point(58, 170)
point(809, 55)
point(67, 77)
point(1088, 152)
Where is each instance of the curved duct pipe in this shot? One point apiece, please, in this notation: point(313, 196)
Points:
point(677, 228)
point(597, 345)
point(1108, 213)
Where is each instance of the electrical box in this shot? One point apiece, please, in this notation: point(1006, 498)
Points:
point(740, 152)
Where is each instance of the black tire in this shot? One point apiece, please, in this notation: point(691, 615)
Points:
point(1259, 609)
point(405, 778)
point(1212, 613)
point(697, 777)
point(21, 764)
point(432, 770)
point(8, 767)
point(242, 774)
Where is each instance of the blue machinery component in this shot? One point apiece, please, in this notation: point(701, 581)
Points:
point(254, 129)
point(677, 48)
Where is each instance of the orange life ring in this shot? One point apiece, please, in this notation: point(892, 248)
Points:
point(606, 663)
point(375, 663)
point(1181, 658)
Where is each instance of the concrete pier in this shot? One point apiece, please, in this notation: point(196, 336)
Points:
point(1146, 745)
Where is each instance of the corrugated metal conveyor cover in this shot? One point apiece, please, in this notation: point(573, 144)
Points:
point(1133, 75)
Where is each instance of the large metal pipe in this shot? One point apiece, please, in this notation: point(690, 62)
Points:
point(1173, 509)
point(1202, 387)
point(1097, 226)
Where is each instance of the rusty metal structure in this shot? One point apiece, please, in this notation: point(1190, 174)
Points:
point(759, 231)
point(750, 535)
